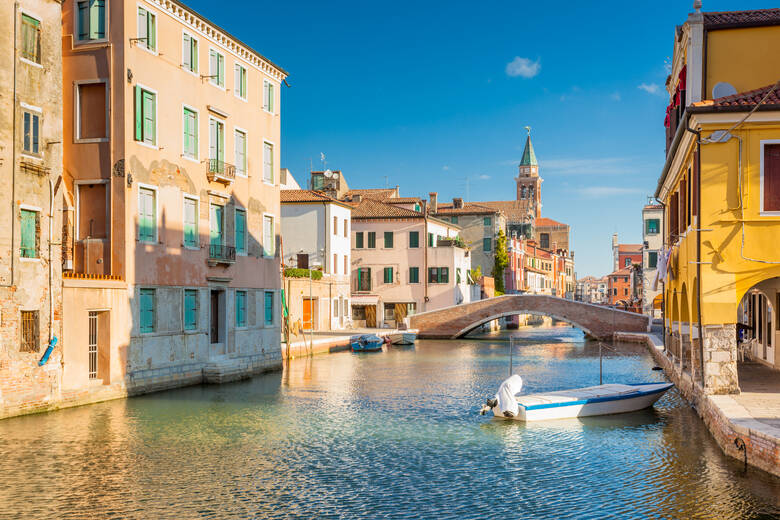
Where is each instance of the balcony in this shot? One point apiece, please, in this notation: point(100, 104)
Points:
point(219, 254)
point(220, 171)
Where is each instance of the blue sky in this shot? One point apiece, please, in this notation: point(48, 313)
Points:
point(428, 95)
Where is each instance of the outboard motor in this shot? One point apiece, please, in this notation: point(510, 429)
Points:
point(505, 398)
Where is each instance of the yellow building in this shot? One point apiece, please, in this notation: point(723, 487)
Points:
point(720, 188)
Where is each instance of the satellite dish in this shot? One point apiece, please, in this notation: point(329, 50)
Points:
point(328, 174)
point(723, 89)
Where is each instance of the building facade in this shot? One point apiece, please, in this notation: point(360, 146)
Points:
point(405, 261)
point(171, 154)
point(316, 235)
point(31, 191)
point(652, 241)
point(592, 290)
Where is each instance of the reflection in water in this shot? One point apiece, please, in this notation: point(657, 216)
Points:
point(391, 435)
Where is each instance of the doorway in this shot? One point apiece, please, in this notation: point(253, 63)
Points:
point(309, 319)
point(217, 316)
point(98, 341)
point(757, 318)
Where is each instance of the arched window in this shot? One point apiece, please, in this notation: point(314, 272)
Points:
point(522, 192)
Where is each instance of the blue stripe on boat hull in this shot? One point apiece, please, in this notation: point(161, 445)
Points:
point(664, 388)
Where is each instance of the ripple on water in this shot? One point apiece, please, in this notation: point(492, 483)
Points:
point(394, 435)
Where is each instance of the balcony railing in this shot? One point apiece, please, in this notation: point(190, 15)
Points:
point(219, 254)
point(221, 171)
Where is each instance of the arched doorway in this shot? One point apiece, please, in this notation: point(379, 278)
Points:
point(758, 328)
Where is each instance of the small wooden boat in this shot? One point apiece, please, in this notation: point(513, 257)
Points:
point(366, 343)
point(402, 338)
point(578, 402)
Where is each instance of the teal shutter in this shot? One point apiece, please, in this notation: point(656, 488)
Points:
point(414, 239)
point(269, 307)
point(388, 275)
point(221, 142)
point(84, 12)
point(149, 117)
point(359, 240)
point(414, 275)
point(29, 235)
point(147, 310)
point(190, 223)
point(147, 221)
point(270, 97)
point(221, 73)
point(194, 55)
point(388, 239)
point(151, 30)
point(240, 308)
point(444, 274)
point(139, 120)
point(371, 239)
point(216, 225)
point(190, 309)
point(97, 19)
point(240, 231)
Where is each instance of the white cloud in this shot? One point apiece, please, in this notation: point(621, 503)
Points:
point(523, 67)
point(483, 177)
point(583, 166)
point(595, 192)
point(615, 96)
point(650, 88)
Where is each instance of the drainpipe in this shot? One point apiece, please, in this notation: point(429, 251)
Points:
point(425, 254)
point(697, 133)
point(13, 153)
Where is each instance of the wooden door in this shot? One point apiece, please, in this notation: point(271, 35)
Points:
point(214, 317)
point(307, 313)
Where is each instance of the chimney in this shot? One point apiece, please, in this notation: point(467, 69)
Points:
point(433, 197)
point(457, 202)
point(614, 239)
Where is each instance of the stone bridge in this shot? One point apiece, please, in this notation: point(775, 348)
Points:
point(596, 320)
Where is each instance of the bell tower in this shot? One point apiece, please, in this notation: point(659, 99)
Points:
point(529, 184)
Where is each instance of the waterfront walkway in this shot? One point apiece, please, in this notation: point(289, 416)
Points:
point(752, 416)
point(325, 342)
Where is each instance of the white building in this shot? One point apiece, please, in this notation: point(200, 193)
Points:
point(316, 235)
point(652, 223)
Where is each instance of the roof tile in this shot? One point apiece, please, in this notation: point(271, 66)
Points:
point(757, 17)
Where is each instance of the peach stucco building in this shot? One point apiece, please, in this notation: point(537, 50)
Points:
point(171, 154)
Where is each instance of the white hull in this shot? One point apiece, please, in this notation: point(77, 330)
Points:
point(402, 338)
point(585, 402)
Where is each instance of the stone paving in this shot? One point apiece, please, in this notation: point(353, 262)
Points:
point(760, 395)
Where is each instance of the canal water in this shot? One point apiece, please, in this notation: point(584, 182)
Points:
point(388, 435)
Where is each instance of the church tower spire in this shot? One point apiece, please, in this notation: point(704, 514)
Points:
point(529, 184)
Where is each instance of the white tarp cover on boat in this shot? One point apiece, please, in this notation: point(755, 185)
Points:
point(507, 392)
point(578, 394)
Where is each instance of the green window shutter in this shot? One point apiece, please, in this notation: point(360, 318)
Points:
point(359, 240)
point(83, 28)
point(29, 247)
point(151, 29)
point(97, 19)
point(194, 54)
point(430, 239)
point(414, 239)
point(414, 275)
point(149, 117)
point(269, 307)
point(186, 51)
point(143, 27)
point(240, 231)
point(652, 259)
point(388, 239)
point(444, 274)
point(240, 308)
point(147, 221)
point(371, 239)
point(486, 244)
point(139, 120)
point(270, 97)
point(221, 73)
point(457, 275)
point(388, 275)
point(216, 225)
point(221, 142)
point(487, 221)
point(190, 309)
point(147, 310)
point(190, 223)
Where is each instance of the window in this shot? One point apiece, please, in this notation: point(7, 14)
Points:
point(652, 226)
point(335, 225)
point(346, 264)
point(625, 292)
point(240, 308)
point(364, 279)
point(31, 39)
point(388, 239)
point(770, 177)
point(30, 233)
point(627, 262)
point(147, 215)
point(91, 109)
point(454, 219)
point(268, 96)
point(216, 68)
point(544, 240)
point(268, 163)
point(216, 145)
point(91, 20)
point(189, 53)
point(346, 230)
point(430, 240)
point(240, 151)
point(148, 314)
point(190, 222)
point(240, 231)
point(335, 308)
point(30, 340)
point(190, 309)
point(414, 275)
point(358, 240)
point(147, 30)
point(388, 275)
point(335, 263)
point(438, 275)
point(32, 128)
point(216, 228)
point(371, 239)
point(190, 123)
point(414, 239)
point(652, 259)
point(269, 307)
point(268, 236)
point(145, 116)
point(487, 221)
point(240, 81)
point(487, 244)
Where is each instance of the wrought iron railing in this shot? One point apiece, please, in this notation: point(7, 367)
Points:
point(221, 168)
point(222, 253)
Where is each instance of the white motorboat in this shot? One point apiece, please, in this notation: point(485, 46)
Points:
point(579, 402)
point(402, 338)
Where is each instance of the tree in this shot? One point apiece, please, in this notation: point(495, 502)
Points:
point(475, 275)
point(501, 261)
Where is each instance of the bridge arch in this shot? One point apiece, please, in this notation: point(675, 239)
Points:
point(596, 320)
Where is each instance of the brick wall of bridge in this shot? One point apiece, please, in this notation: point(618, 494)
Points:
point(595, 320)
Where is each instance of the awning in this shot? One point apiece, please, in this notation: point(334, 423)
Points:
point(364, 300)
point(658, 301)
